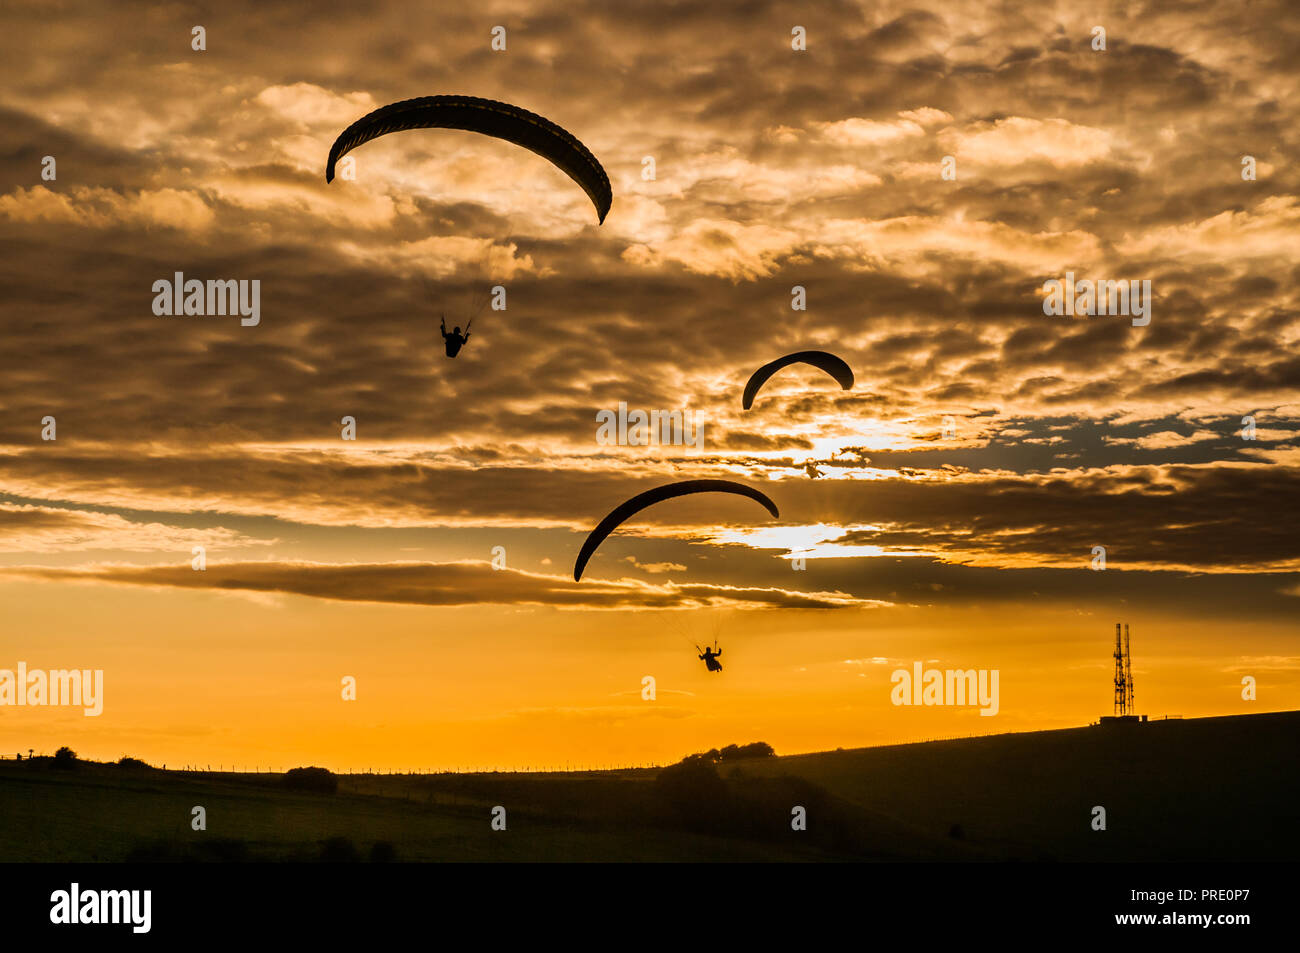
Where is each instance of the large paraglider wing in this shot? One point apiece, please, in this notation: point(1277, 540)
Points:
point(832, 365)
point(491, 118)
point(650, 497)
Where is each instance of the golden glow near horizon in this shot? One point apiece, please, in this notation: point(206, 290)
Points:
point(1000, 486)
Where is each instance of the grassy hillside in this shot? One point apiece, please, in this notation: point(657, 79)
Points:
point(1194, 789)
point(1202, 789)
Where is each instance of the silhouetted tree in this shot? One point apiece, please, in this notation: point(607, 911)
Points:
point(65, 757)
point(759, 749)
point(318, 780)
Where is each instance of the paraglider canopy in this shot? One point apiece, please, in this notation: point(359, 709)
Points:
point(491, 118)
point(660, 493)
point(832, 365)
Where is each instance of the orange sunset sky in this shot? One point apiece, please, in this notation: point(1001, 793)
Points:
point(985, 449)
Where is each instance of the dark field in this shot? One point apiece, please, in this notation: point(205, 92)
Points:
point(1200, 789)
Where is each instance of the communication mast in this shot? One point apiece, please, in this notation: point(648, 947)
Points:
point(1121, 675)
point(1128, 672)
point(1125, 709)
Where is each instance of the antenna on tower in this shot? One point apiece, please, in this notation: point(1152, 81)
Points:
point(1128, 672)
point(1121, 679)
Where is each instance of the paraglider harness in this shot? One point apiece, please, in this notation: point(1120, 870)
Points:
point(455, 341)
point(710, 657)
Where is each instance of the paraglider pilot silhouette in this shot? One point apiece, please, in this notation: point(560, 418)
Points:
point(710, 657)
point(455, 340)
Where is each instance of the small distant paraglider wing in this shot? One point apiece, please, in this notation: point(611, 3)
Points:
point(491, 118)
point(832, 365)
point(660, 493)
